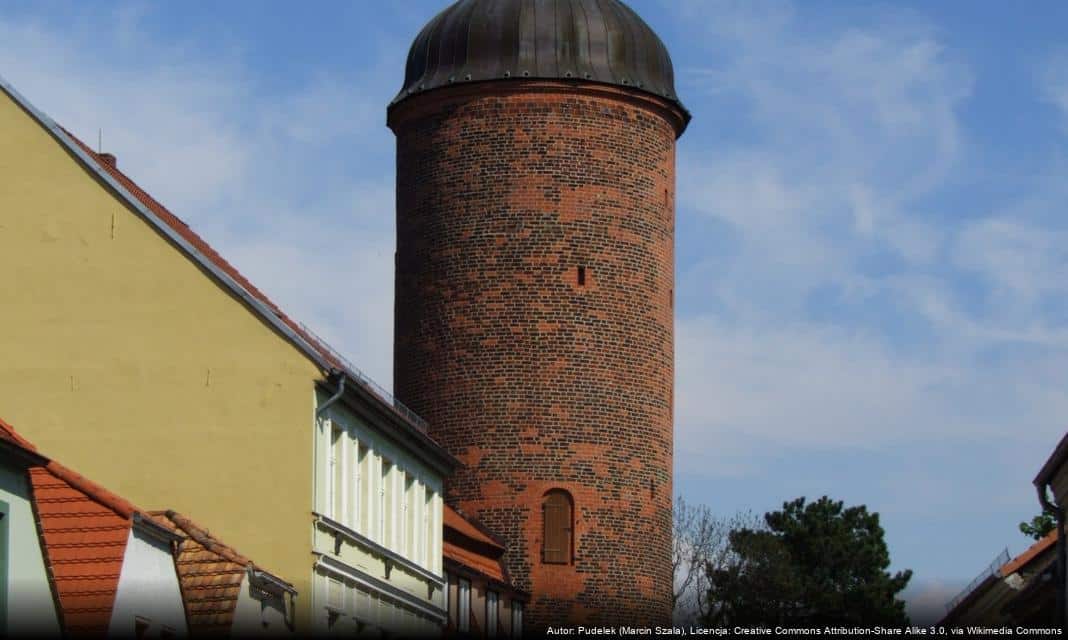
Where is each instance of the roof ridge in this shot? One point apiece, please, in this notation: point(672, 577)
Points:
point(326, 354)
point(204, 538)
point(195, 248)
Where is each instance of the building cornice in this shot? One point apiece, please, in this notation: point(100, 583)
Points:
point(340, 531)
point(379, 586)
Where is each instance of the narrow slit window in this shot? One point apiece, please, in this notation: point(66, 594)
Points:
point(582, 276)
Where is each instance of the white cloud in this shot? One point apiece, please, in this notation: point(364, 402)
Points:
point(1023, 263)
point(807, 388)
point(927, 600)
point(1053, 83)
point(249, 169)
point(853, 126)
point(850, 133)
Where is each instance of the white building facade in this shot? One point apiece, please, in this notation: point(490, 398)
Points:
point(148, 600)
point(378, 524)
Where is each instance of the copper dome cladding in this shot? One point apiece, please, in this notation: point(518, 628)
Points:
point(601, 41)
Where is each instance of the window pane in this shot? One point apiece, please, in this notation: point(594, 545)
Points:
point(465, 604)
point(491, 614)
point(386, 498)
point(428, 528)
point(335, 479)
point(410, 531)
point(362, 504)
point(517, 619)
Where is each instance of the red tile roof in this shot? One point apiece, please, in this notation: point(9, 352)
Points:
point(487, 566)
point(467, 545)
point(210, 573)
point(9, 435)
point(84, 531)
point(108, 165)
point(1030, 554)
point(457, 522)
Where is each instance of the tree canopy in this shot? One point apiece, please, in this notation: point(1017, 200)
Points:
point(1040, 526)
point(813, 564)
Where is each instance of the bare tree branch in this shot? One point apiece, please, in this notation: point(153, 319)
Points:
point(701, 539)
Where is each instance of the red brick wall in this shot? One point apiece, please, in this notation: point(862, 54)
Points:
point(535, 382)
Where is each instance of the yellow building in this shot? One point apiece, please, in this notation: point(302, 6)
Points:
point(134, 352)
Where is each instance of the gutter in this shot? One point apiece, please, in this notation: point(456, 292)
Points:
point(264, 579)
point(334, 398)
point(148, 526)
point(302, 342)
point(201, 260)
point(269, 583)
point(1062, 551)
point(391, 423)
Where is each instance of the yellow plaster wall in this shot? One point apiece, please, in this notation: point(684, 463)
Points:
point(120, 358)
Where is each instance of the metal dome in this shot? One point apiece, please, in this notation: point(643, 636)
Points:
point(600, 41)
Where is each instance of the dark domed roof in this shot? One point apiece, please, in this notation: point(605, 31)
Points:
point(594, 40)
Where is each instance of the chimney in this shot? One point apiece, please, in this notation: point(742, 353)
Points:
point(108, 159)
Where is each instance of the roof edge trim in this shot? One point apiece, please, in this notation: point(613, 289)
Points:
point(404, 598)
point(145, 524)
point(60, 135)
point(184, 245)
point(1056, 460)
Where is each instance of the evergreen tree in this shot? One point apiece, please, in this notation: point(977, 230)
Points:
point(813, 564)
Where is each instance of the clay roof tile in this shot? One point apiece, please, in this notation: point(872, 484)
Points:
point(210, 573)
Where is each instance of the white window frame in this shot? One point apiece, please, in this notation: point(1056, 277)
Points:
point(333, 440)
point(345, 476)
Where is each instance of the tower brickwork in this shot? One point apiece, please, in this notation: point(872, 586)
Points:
point(534, 311)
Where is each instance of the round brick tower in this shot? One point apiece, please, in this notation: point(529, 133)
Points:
point(534, 290)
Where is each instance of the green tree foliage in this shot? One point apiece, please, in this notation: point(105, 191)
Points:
point(813, 564)
point(1040, 526)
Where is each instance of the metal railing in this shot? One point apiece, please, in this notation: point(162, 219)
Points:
point(359, 376)
point(993, 569)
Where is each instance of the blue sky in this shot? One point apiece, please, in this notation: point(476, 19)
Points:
point(872, 247)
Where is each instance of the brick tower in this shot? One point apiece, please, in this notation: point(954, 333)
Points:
point(534, 286)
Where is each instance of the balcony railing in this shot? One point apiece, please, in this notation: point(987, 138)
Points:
point(993, 569)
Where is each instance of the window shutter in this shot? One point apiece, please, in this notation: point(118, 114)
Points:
point(557, 517)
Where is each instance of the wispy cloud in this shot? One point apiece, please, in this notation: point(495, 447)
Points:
point(841, 297)
point(292, 185)
point(857, 301)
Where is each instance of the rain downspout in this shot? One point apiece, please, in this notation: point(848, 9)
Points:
point(334, 398)
point(1062, 554)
